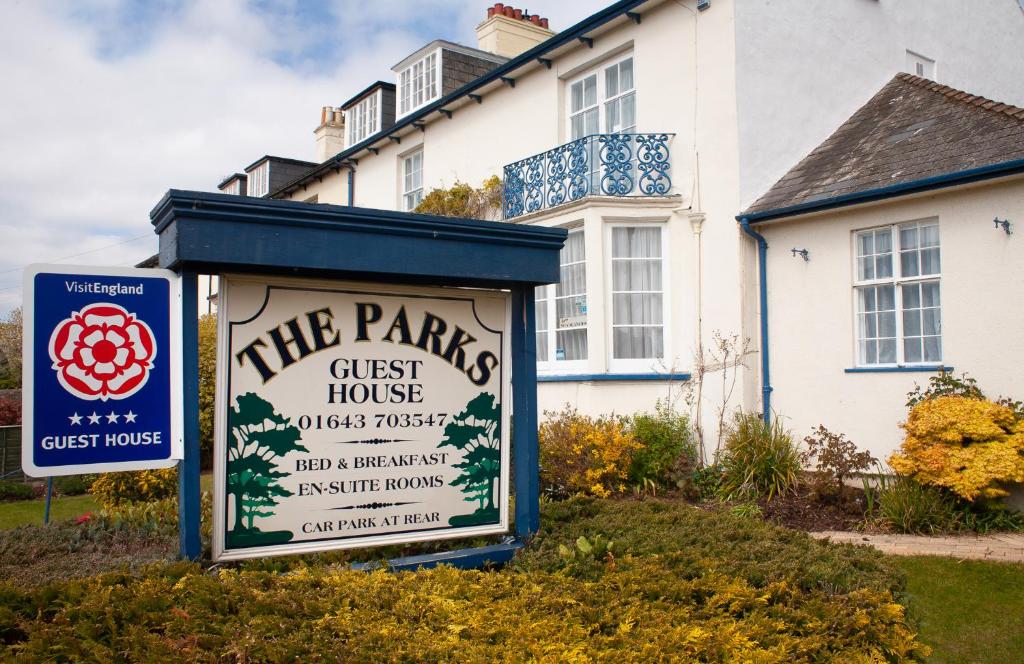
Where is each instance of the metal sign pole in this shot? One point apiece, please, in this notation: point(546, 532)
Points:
point(189, 543)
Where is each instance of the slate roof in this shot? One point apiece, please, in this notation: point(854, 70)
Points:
point(912, 129)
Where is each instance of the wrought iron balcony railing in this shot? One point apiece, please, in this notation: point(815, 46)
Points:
point(596, 165)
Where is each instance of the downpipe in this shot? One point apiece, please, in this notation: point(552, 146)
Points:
point(762, 270)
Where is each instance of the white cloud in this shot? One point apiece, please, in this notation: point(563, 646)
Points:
point(101, 117)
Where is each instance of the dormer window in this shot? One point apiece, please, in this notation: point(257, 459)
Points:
point(418, 84)
point(259, 180)
point(363, 119)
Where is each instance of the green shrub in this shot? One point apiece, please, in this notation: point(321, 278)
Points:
point(580, 454)
point(207, 387)
point(113, 489)
point(760, 459)
point(73, 485)
point(907, 506)
point(669, 453)
point(945, 384)
point(706, 483)
point(690, 541)
point(15, 490)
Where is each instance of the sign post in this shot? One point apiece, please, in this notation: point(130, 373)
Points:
point(376, 375)
point(102, 378)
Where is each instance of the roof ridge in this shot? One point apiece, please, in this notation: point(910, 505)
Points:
point(963, 96)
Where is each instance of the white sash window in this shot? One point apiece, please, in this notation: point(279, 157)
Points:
point(562, 311)
point(638, 303)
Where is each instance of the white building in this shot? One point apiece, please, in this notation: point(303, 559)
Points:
point(645, 129)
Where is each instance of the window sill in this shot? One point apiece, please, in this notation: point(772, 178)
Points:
point(612, 377)
point(917, 368)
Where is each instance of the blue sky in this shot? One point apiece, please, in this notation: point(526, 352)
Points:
point(109, 103)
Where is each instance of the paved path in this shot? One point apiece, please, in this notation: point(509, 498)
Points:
point(1004, 547)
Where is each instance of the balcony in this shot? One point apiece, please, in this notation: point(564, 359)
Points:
point(598, 165)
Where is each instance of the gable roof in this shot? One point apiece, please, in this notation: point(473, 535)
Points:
point(913, 135)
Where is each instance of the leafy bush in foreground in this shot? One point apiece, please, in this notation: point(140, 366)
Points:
point(907, 506)
point(580, 454)
point(113, 489)
point(643, 613)
point(760, 459)
point(668, 453)
point(966, 445)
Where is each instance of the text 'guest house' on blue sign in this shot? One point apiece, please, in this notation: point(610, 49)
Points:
point(102, 370)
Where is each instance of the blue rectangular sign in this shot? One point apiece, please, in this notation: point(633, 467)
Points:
point(102, 369)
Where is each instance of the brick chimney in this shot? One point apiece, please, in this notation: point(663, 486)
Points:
point(330, 135)
point(508, 31)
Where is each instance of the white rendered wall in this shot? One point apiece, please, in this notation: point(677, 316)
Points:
point(684, 77)
point(804, 66)
point(811, 310)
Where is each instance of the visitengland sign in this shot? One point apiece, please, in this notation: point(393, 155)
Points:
point(355, 415)
point(102, 370)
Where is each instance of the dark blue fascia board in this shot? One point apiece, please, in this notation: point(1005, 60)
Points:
point(476, 558)
point(612, 377)
point(567, 36)
point(906, 369)
point(968, 176)
point(241, 233)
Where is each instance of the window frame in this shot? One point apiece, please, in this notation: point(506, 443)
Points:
point(601, 98)
point(637, 365)
point(406, 103)
point(404, 193)
point(363, 119)
point(258, 180)
point(554, 366)
point(897, 280)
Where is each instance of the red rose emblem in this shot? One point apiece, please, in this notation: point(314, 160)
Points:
point(102, 352)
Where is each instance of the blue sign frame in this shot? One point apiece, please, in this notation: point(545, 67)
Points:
point(200, 234)
point(102, 370)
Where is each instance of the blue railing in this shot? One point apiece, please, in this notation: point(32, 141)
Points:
point(597, 165)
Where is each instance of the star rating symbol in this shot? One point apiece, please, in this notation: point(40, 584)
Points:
point(112, 418)
point(75, 419)
point(94, 418)
point(130, 417)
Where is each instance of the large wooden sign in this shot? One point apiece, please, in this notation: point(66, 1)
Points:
point(354, 415)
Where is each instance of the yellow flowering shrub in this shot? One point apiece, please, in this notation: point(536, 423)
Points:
point(113, 489)
point(969, 446)
point(579, 454)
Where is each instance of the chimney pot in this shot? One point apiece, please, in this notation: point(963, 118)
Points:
point(509, 12)
point(490, 12)
point(517, 14)
point(535, 19)
point(543, 23)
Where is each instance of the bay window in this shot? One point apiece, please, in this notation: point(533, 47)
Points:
point(897, 295)
point(562, 310)
point(637, 296)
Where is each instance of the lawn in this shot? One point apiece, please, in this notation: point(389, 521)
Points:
point(970, 611)
point(29, 512)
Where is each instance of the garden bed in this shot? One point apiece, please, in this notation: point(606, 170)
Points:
point(605, 580)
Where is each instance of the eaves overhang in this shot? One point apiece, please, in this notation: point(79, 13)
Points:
point(497, 74)
point(956, 178)
point(223, 232)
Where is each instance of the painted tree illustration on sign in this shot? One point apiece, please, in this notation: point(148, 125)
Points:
point(258, 438)
point(476, 433)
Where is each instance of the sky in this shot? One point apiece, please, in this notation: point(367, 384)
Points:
point(107, 104)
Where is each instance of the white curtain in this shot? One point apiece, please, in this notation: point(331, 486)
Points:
point(637, 298)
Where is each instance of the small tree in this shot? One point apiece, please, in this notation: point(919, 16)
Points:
point(259, 437)
point(10, 348)
point(476, 432)
point(836, 458)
